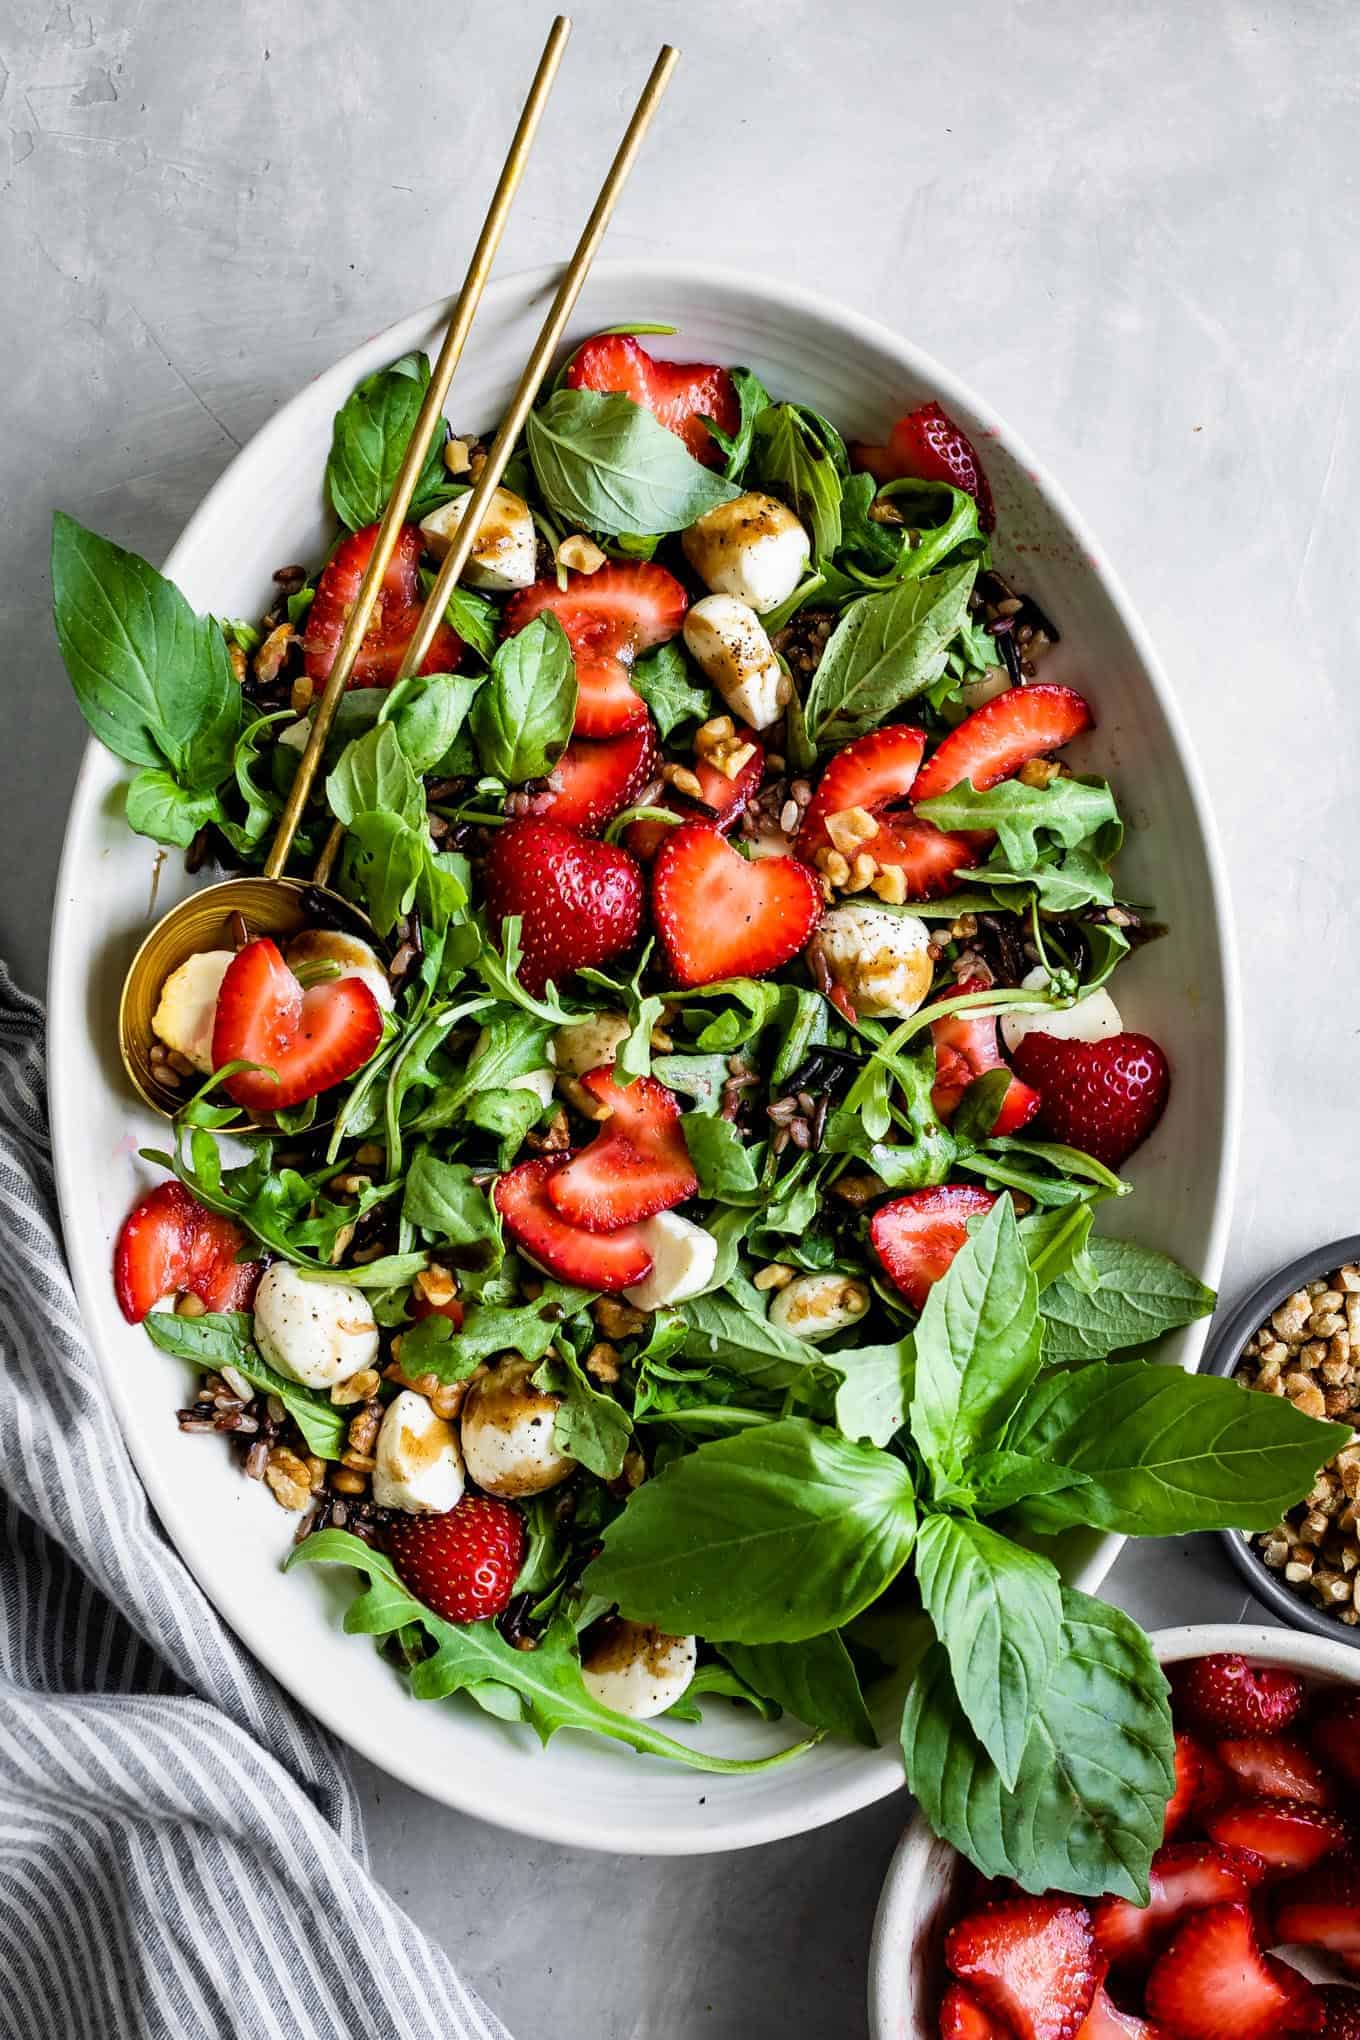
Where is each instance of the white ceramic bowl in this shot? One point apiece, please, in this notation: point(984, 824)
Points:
point(268, 508)
point(921, 1893)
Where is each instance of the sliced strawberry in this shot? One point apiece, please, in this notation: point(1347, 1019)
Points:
point(1275, 1767)
point(1104, 1097)
point(1001, 736)
point(1107, 2021)
point(1224, 1695)
point(680, 394)
point(312, 1040)
point(609, 617)
point(170, 1244)
point(1321, 1909)
point(637, 1164)
point(1031, 1962)
point(963, 1039)
point(591, 1260)
point(1184, 1878)
point(395, 614)
point(1213, 1983)
point(929, 445)
point(579, 902)
point(728, 798)
point(1287, 1835)
point(595, 780)
point(462, 1564)
point(917, 1236)
point(1189, 1790)
point(1341, 2012)
point(871, 773)
point(1336, 1735)
point(964, 2017)
point(722, 915)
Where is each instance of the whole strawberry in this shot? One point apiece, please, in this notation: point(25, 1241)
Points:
point(579, 902)
point(1104, 1097)
point(463, 1564)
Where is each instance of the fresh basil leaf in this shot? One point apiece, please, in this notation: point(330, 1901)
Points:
point(369, 440)
point(374, 775)
point(876, 1390)
point(977, 1344)
point(814, 1681)
point(998, 1480)
point(739, 1336)
point(153, 680)
point(792, 455)
point(787, 1531)
point(383, 864)
point(664, 680)
point(1089, 1803)
point(1069, 811)
point(722, 1161)
point(443, 1199)
point(159, 807)
point(604, 463)
point(476, 620)
point(430, 715)
point(936, 521)
point(523, 715)
point(997, 1609)
point(1141, 1294)
point(885, 650)
point(752, 399)
point(227, 1339)
point(590, 1426)
point(1056, 1242)
point(980, 1106)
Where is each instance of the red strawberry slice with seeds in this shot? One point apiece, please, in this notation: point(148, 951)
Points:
point(873, 772)
point(1224, 1695)
point(1031, 1962)
point(966, 1045)
point(928, 444)
point(462, 1564)
point(964, 2017)
point(395, 614)
point(311, 1039)
point(722, 915)
point(1321, 1909)
point(1190, 1782)
point(1108, 2021)
point(1341, 2012)
point(170, 1244)
point(610, 1261)
point(1001, 736)
point(1275, 1767)
point(728, 798)
point(1336, 1735)
point(1287, 1835)
point(1104, 1097)
point(637, 1164)
point(917, 1236)
point(1213, 1983)
point(579, 902)
point(679, 394)
point(1184, 1877)
point(595, 779)
point(609, 617)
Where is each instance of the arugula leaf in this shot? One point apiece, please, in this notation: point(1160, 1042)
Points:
point(1164, 1452)
point(813, 1680)
point(508, 1114)
point(384, 861)
point(227, 1339)
point(735, 1333)
point(663, 678)
point(374, 775)
point(937, 521)
point(1071, 811)
point(159, 807)
point(787, 1531)
point(527, 1329)
point(590, 1426)
point(886, 649)
point(752, 399)
point(723, 1162)
point(1141, 1294)
point(876, 1390)
point(700, 1077)
point(442, 1198)
point(523, 715)
point(997, 1609)
point(798, 456)
point(977, 1344)
point(748, 1006)
point(1089, 1802)
point(369, 439)
point(605, 464)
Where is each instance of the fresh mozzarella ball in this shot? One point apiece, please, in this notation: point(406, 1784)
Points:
point(728, 640)
point(815, 1306)
point(1090, 1019)
point(317, 1333)
point(986, 687)
point(684, 1256)
point(881, 959)
point(507, 1432)
point(635, 1671)
point(588, 1044)
point(753, 548)
point(540, 1082)
point(505, 553)
point(183, 1019)
point(420, 1468)
point(355, 958)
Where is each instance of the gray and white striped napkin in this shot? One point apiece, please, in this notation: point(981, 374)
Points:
point(181, 1851)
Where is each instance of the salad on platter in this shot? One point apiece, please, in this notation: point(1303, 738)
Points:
point(644, 1220)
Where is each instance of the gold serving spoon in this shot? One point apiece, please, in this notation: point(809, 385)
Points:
point(274, 904)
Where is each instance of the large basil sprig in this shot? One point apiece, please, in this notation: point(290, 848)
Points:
point(604, 463)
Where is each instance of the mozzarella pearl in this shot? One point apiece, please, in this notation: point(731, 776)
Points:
point(540, 1082)
point(975, 693)
point(587, 1044)
point(881, 959)
point(419, 1466)
point(815, 1306)
point(753, 548)
point(354, 957)
point(1091, 1019)
point(635, 1671)
point(505, 552)
point(728, 640)
point(684, 1256)
point(507, 1433)
point(317, 1333)
point(183, 1018)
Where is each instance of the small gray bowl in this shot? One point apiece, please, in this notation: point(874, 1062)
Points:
point(1222, 1355)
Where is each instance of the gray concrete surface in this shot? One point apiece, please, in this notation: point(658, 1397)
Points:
point(1132, 225)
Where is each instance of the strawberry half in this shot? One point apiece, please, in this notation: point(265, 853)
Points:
point(1288, 1836)
point(722, 915)
point(1108, 2021)
point(1213, 1983)
point(609, 617)
point(595, 779)
point(1275, 1767)
point(872, 772)
point(313, 1040)
point(579, 902)
point(965, 1049)
point(917, 1236)
point(679, 394)
point(728, 798)
point(929, 445)
point(1341, 2012)
point(170, 1243)
point(462, 1564)
point(1029, 1961)
point(1104, 1097)
point(1184, 1877)
point(1321, 1909)
point(1224, 1695)
point(1336, 1735)
point(637, 1164)
point(591, 1260)
point(1001, 736)
point(395, 614)
point(964, 2017)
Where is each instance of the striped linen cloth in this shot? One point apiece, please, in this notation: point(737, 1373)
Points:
point(181, 1852)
